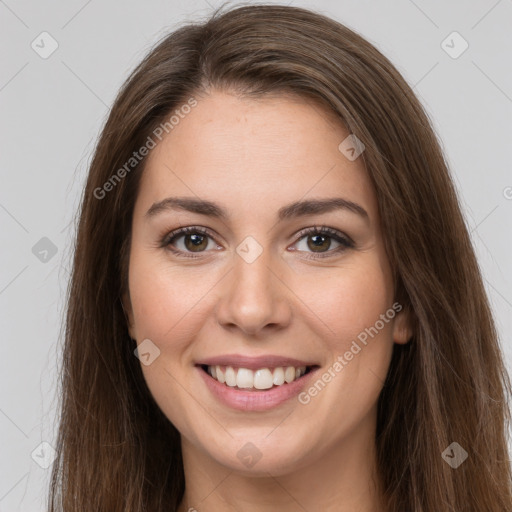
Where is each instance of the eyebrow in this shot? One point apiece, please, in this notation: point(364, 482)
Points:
point(295, 209)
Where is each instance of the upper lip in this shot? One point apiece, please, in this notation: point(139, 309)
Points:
point(254, 363)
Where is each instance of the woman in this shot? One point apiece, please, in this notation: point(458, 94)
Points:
point(275, 304)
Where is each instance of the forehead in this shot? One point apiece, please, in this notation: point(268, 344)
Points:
point(242, 151)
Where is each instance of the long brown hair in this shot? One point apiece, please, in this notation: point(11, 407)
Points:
point(116, 450)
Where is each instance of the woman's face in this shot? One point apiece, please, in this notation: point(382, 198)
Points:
point(282, 270)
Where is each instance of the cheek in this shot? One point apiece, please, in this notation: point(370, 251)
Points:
point(167, 309)
point(167, 300)
point(360, 344)
point(348, 302)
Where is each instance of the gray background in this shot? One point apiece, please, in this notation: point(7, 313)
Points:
point(53, 109)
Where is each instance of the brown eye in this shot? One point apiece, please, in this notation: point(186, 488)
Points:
point(319, 243)
point(195, 242)
point(189, 240)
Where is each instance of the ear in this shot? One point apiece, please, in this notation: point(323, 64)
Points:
point(402, 327)
point(126, 304)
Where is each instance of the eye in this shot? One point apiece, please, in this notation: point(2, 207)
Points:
point(322, 241)
point(188, 240)
point(319, 241)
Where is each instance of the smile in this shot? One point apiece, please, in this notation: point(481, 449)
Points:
point(251, 384)
point(262, 378)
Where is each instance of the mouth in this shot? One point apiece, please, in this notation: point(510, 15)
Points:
point(251, 384)
point(258, 379)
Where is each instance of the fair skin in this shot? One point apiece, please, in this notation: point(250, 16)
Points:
point(253, 157)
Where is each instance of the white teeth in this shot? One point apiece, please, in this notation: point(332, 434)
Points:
point(278, 376)
point(289, 374)
point(221, 377)
point(263, 378)
point(245, 378)
point(230, 377)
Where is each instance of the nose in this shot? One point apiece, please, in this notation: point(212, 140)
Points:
point(254, 299)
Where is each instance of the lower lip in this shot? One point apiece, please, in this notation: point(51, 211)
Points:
point(259, 400)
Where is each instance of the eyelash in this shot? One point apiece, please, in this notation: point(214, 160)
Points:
point(345, 241)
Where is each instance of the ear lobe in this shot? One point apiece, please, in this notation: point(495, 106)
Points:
point(402, 327)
